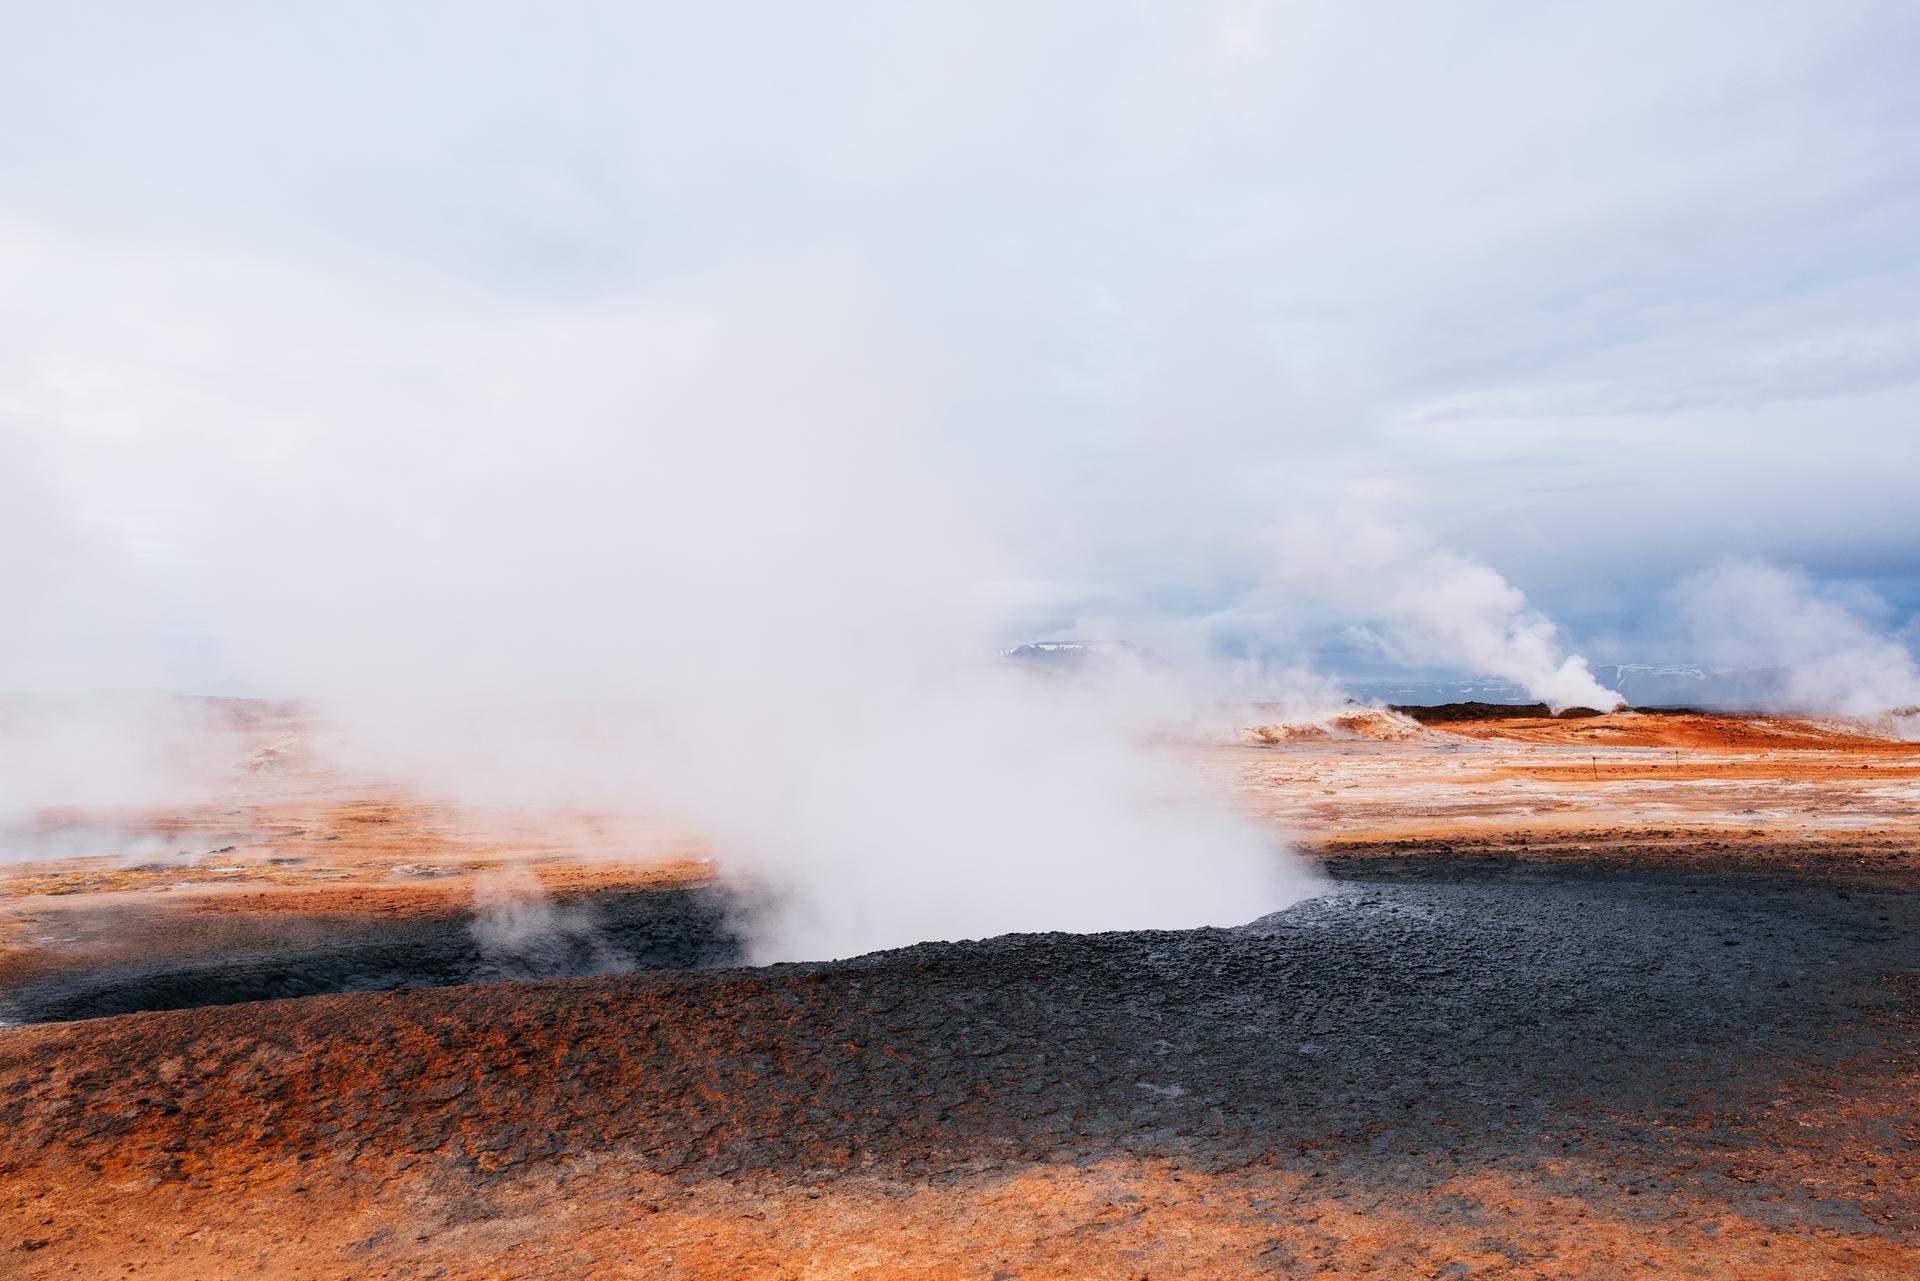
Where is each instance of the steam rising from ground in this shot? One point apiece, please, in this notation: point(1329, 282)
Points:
point(1836, 658)
point(66, 758)
point(991, 804)
point(1432, 603)
point(522, 933)
point(627, 413)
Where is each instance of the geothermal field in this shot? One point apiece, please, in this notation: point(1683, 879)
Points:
point(1183, 639)
point(1621, 995)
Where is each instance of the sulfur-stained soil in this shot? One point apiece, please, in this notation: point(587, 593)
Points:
point(1544, 1023)
point(1691, 731)
point(327, 860)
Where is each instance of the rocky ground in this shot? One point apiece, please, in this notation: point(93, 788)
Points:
point(1515, 1048)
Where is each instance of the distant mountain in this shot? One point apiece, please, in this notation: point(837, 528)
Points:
point(1640, 684)
point(1417, 693)
point(1682, 685)
point(1080, 657)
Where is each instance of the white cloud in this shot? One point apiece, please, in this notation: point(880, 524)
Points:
point(1836, 656)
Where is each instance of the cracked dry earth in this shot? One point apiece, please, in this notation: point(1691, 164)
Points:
point(1543, 1053)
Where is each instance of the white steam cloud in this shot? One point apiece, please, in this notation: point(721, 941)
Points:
point(667, 411)
point(1433, 603)
point(72, 765)
point(1835, 658)
point(520, 932)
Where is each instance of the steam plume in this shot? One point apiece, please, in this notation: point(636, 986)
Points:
point(1750, 613)
point(631, 415)
point(1434, 603)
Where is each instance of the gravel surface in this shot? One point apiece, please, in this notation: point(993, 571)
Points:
point(1399, 1030)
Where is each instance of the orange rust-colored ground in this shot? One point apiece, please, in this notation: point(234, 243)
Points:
point(1697, 731)
point(317, 849)
point(1114, 1220)
point(307, 842)
point(234, 1190)
point(1718, 793)
point(1607, 786)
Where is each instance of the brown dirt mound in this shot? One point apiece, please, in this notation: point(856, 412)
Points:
point(1369, 724)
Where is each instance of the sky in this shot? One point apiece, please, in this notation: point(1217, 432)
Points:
point(340, 343)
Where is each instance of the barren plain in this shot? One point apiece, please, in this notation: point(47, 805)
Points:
point(1630, 995)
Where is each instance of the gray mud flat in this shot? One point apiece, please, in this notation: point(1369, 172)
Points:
point(677, 929)
point(1412, 1013)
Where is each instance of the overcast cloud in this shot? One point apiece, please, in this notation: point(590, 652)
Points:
point(320, 315)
